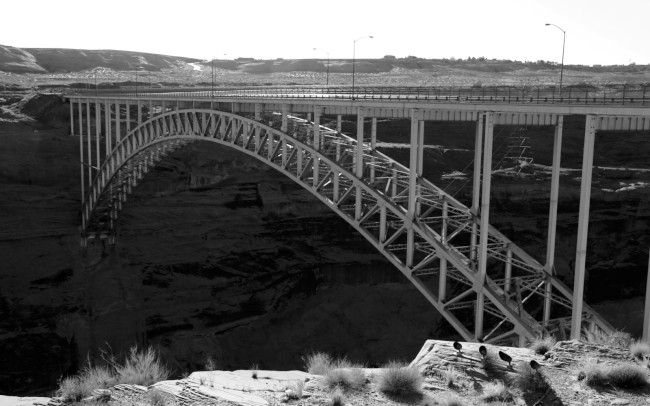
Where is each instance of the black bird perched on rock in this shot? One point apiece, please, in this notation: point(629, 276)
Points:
point(483, 351)
point(457, 346)
point(534, 364)
point(505, 357)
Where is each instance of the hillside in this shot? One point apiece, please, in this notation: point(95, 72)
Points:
point(60, 60)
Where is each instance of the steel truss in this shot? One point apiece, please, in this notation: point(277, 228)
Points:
point(483, 284)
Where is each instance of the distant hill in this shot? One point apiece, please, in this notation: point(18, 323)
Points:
point(60, 60)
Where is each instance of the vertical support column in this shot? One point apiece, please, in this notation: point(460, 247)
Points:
point(442, 279)
point(373, 145)
point(128, 116)
point(118, 129)
point(476, 188)
point(413, 178)
point(646, 314)
point(98, 127)
point(552, 216)
point(258, 130)
point(285, 121)
point(139, 113)
point(71, 117)
point(317, 143)
point(420, 159)
point(583, 226)
point(339, 120)
point(82, 165)
point(359, 161)
point(89, 145)
point(484, 230)
point(107, 126)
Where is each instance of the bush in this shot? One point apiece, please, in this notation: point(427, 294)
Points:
point(296, 389)
point(318, 363)
point(400, 379)
point(450, 400)
point(496, 392)
point(337, 398)
point(158, 397)
point(628, 376)
point(345, 379)
point(623, 376)
point(451, 376)
point(140, 368)
point(542, 345)
point(74, 388)
point(640, 349)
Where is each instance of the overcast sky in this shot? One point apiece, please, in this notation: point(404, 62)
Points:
point(597, 31)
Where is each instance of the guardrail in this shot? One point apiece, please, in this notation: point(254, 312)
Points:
point(619, 94)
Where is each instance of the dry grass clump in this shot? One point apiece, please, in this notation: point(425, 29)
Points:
point(496, 392)
point(158, 397)
point(542, 345)
point(640, 349)
point(294, 389)
point(451, 377)
point(490, 365)
point(318, 363)
point(139, 368)
point(337, 398)
point(529, 380)
point(345, 378)
point(623, 375)
point(619, 339)
point(400, 379)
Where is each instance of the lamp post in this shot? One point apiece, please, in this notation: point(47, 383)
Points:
point(328, 65)
point(563, 42)
point(354, 51)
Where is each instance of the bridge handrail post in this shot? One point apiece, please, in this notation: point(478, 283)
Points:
point(643, 99)
point(623, 98)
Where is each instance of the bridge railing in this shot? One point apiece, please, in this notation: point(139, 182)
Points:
point(611, 94)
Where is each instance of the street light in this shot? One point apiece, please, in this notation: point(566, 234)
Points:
point(328, 65)
point(563, 42)
point(354, 51)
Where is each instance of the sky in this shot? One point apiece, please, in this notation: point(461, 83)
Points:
point(602, 32)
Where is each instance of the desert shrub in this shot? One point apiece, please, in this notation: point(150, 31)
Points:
point(296, 389)
point(158, 397)
point(77, 387)
point(451, 376)
point(337, 398)
point(211, 364)
point(627, 376)
point(345, 378)
point(618, 338)
point(254, 370)
point(529, 380)
point(400, 379)
point(640, 349)
point(318, 363)
point(139, 367)
point(74, 388)
point(593, 373)
point(496, 392)
point(542, 345)
point(490, 365)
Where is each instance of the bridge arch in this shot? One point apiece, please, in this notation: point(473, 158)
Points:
point(423, 238)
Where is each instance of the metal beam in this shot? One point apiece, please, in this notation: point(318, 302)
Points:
point(646, 313)
point(583, 226)
point(484, 226)
point(552, 216)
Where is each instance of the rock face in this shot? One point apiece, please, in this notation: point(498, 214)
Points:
point(220, 259)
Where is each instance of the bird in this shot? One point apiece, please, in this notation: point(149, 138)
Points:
point(483, 351)
point(534, 364)
point(505, 357)
point(457, 346)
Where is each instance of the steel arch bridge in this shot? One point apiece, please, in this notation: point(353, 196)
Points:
point(437, 242)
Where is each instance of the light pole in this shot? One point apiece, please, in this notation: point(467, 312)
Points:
point(563, 42)
point(328, 65)
point(354, 51)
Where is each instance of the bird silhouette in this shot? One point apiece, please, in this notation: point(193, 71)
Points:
point(483, 351)
point(534, 364)
point(505, 357)
point(457, 346)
